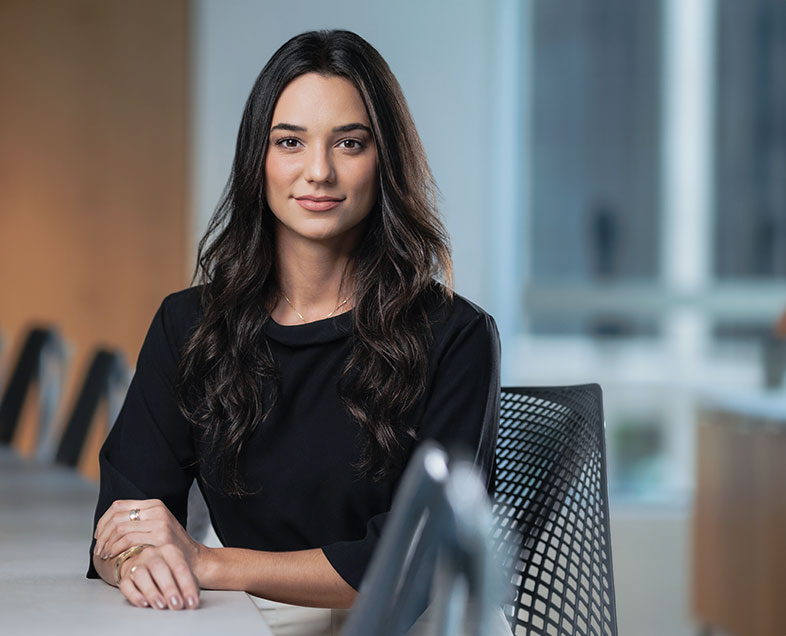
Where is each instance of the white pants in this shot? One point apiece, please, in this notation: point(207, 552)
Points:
point(292, 620)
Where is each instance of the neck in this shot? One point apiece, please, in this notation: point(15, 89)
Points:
point(313, 278)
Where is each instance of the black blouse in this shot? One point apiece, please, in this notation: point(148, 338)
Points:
point(300, 463)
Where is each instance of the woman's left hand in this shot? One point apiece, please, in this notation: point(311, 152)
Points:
point(119, 529)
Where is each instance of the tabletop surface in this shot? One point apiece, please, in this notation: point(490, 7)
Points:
point(765, 405)
point(46, 517)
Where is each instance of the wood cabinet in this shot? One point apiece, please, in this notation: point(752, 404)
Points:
point(739, 527)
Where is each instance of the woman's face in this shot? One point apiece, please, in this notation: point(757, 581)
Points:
point(321, 164)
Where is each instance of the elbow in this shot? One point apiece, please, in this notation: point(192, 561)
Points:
point(346, 597)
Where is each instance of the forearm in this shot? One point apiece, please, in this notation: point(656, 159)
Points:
point(304, 577)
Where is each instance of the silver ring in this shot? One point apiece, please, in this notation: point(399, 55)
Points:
point(134, 514)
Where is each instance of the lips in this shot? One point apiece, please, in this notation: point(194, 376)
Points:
point(318, 204)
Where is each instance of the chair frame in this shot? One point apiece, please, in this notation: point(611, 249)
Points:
point(105, 379)
point(41, 361)
point(438, 508)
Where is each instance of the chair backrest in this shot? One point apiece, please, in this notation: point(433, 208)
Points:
point(551, 511)
point(441, 514)
point(106, 379)
point(41, 361)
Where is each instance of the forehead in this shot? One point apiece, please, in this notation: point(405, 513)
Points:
point(314, 100)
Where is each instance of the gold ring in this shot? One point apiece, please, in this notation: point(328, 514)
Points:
point(134, 514)
point(131, 573)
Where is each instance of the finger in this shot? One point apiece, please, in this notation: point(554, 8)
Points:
point(162, 576)
point(155, 531)
point(121, 508)
point(108, 523)
point(186, 581)
point(145, 584)
point(132, 593)
point(110, 551)
point(115, 534)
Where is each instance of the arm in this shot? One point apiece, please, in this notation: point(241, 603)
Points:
point(149, 452)
point(170, 573)
point(303, 577)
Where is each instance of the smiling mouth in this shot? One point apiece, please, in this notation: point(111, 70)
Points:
point(318, 204)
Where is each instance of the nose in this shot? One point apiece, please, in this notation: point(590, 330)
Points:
point(319, 166)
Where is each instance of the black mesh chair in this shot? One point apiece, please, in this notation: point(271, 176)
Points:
point(551, 512)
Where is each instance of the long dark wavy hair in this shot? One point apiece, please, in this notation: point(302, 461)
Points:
point(227, 379)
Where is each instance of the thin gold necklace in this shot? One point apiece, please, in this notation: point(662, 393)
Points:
point(299, 315)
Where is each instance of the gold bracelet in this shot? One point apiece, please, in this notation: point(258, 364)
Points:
point(127, 554)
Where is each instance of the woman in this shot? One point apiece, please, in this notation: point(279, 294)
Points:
point(295, 381)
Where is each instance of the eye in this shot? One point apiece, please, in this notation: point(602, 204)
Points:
point(288, 142)
point(350, 144)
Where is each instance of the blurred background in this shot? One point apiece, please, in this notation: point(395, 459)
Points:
point(613, 176)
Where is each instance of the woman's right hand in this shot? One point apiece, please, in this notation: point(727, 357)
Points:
point(159, 577)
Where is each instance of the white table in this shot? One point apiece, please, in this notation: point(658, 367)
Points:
point(761, 406)
point(46, 517)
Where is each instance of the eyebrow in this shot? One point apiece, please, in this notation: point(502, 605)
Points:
point(338, 129)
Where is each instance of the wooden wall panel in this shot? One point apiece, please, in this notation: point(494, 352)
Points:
point(93, 167)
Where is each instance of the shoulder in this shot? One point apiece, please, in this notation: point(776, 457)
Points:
point(456, 319)
point(184, 306)
point(453, 311)
point(176, 318)
point(464, 311)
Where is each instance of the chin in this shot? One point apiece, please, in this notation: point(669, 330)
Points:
point(328, 231)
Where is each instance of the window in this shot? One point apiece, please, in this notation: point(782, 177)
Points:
point(656, 224)
point(750, 162)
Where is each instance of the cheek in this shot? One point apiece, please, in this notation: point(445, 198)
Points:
point(278, 174)
point(270, 177)
point(368, 181)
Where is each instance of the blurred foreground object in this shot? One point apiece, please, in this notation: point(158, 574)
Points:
point(441, 512)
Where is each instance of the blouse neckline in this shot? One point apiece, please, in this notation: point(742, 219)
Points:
point(317, 332)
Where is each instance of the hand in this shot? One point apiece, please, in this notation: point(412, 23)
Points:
point(159, 577)
point(175, 561)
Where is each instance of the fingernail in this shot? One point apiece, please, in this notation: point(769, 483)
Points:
point(191, 601)
point(145, 604)
point(160, 603)
point(176, 602)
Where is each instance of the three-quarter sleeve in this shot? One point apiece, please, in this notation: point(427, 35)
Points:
point(460, 411)
point(149, 453)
